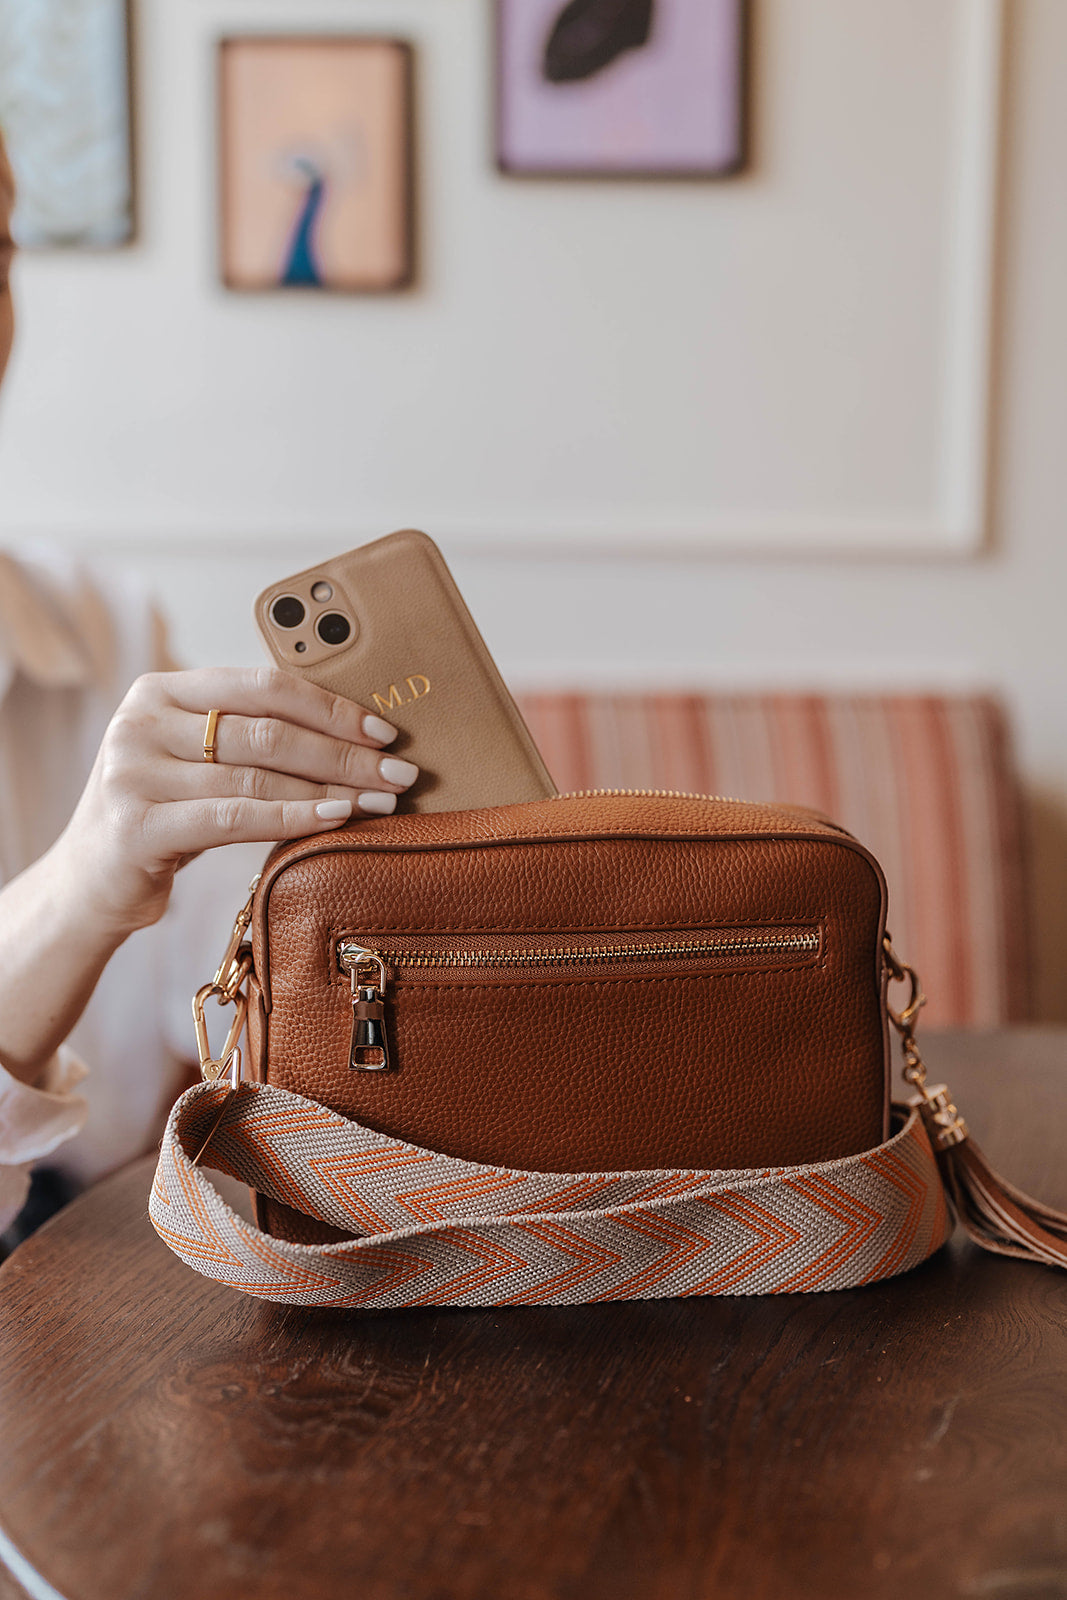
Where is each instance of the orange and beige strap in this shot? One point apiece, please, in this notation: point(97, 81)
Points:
point(434, 1230)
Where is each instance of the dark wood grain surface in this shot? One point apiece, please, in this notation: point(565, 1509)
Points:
point(163, 1437)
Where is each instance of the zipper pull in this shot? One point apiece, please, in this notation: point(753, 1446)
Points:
point(369, 1051)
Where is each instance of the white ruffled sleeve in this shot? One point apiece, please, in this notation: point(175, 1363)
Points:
point(34, 1121)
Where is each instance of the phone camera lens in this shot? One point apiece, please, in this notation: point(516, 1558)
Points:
point(333, 628)
point(288, 611)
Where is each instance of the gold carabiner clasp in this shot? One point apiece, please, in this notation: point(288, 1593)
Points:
point(943, 1122)
point(900, 972)
point(236, 962)
point(213, 1067)
point(904, 1020)
point(227, 986)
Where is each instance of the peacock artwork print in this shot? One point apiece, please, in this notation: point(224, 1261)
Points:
point(301, 267)
point(315, 163)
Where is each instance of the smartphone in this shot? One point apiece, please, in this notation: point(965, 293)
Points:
point(386, 626)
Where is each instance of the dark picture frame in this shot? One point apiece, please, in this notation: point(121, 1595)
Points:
point(626, 89)
point(316, 158)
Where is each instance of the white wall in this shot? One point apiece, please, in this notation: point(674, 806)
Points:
point(788, 359)
point(776, 358)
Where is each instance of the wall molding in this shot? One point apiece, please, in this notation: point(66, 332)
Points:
point(880, 540)
point(963, 522)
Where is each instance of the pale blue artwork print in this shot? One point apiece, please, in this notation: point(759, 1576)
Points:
point(64, 111)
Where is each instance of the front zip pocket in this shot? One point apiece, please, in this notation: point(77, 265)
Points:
point(377, 961)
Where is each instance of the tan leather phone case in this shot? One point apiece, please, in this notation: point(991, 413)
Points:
point(413, 656)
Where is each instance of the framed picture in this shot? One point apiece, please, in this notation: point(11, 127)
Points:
point(65, 115)
point(316, 163)
point(620, 88)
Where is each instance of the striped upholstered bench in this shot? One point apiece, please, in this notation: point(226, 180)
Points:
point(925, 781)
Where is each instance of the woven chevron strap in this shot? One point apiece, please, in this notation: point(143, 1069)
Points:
point(433, 1230)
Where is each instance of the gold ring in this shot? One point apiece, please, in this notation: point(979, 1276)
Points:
point(209, 734)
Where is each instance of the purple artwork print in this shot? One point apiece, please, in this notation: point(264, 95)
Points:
point(641, 87)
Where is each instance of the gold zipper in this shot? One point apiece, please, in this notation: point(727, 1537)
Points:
point(368, 966)
point(651, 794)
point(758, 941)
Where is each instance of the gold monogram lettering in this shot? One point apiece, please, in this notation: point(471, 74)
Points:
point(395, 699)
point(418, 686)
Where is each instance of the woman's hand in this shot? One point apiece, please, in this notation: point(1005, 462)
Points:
point(290, 759)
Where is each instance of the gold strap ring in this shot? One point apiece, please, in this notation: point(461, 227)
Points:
point(209, 734)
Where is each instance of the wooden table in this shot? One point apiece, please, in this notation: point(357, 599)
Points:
point(161, 1437)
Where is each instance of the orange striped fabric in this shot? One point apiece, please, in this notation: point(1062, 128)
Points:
point(926, 781)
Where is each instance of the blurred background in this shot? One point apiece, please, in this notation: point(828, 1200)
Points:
point(789, 422)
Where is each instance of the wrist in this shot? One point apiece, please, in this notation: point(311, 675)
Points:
point(53, 949)
point(80, 897)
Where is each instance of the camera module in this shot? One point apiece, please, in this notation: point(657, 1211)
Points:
point(333, 628)
point(288, 611)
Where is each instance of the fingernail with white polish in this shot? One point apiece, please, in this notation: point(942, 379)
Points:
point(379, 730)
point(395, 771)
point(376, 802)
point(333, 810)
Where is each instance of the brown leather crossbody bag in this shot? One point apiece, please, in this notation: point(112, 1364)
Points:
point(599, 1046)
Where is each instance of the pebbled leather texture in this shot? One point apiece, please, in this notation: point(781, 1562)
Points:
point(775, 1064)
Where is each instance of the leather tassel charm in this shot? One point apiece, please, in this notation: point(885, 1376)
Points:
point(991, 1211)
